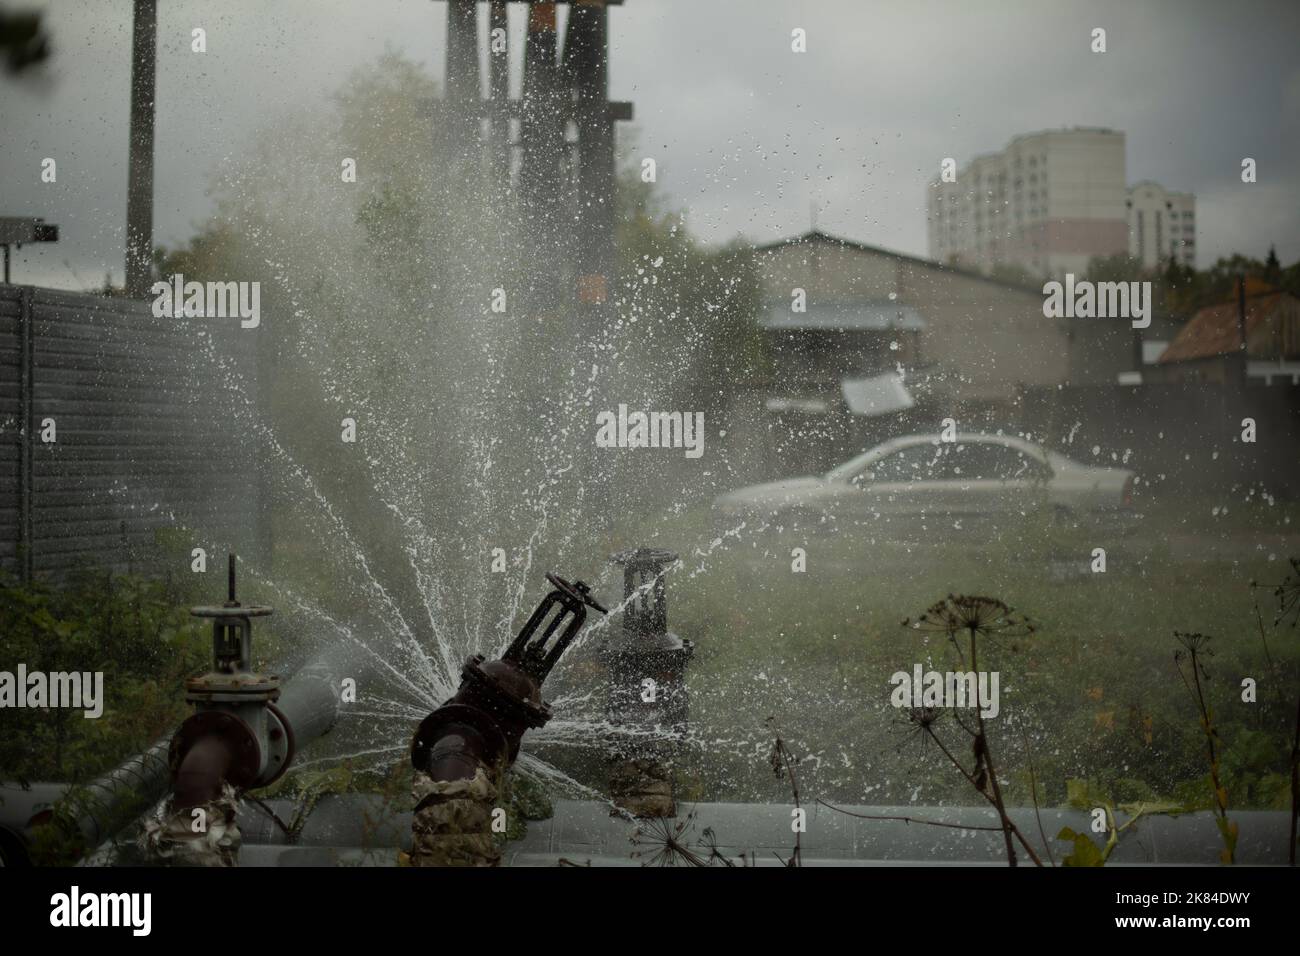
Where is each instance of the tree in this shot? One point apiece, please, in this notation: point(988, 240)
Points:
point(378, 302)
point(1013, 274)
point(1272, 273)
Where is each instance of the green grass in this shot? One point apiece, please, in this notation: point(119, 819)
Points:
point(1094, 694)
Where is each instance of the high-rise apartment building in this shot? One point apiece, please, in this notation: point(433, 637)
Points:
point(1161, 225)
point(1049, 202)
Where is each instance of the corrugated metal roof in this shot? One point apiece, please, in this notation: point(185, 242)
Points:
point(849, 317)
point(817, 236)
point(1214, 329)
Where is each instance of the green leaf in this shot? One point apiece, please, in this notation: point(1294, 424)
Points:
point(1086, 853)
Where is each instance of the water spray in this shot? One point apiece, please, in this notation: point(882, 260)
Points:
point(461, 750)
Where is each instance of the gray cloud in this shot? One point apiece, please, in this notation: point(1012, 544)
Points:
point(746, 133)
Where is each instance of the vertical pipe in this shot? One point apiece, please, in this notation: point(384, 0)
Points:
point(541, 137)
point(586, 57)
point(641, 776)
point(462, 80)
point(139, 195)
point(498, 66)
point(586, 75)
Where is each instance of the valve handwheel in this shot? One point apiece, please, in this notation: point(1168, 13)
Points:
point(580, 591)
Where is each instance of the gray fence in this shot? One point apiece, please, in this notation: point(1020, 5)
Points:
point(150, 431)
point(1181, 438)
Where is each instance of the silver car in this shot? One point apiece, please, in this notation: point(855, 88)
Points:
point(921, 481)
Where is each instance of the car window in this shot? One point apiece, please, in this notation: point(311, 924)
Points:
point(958, 461)
point(906, 464)
point(986, 461)
point(1011, 464)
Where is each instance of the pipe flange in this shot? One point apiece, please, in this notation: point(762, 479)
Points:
point(223, 611)
point(430, 731)
point(235, 687)
point(239, 738)
point(281, 746)
point(489, 688)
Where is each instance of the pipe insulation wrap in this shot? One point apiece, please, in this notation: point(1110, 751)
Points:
point(453, 821)
point(109, 803)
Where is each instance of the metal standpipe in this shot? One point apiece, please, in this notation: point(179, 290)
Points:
point(462, 749)
point(647, 696)
point(242, 735)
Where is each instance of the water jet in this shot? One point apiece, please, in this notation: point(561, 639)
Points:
point(461, 750)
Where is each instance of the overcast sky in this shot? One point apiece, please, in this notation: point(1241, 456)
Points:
point(747, 134)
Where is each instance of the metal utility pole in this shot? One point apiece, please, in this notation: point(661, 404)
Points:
point(565, 186)
point(463, 94)
point(498, 67)
point(586, 73)
point(541, 137)
point(139, 195)
point(576, 244)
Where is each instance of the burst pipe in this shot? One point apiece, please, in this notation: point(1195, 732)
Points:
point(461, 750)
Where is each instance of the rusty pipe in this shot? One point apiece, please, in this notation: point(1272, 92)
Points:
point(460, 751)
point(498, 701)
point(250, 745)
point(229, 746)
point(202, 773)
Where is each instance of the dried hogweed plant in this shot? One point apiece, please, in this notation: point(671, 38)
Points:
point(783, 764)
point(1287, 594)
point(967, 620)
point(1190, 658)
point(661, 841)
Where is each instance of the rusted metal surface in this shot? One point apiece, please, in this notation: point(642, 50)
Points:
point(499, 700)
point(237, 739)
